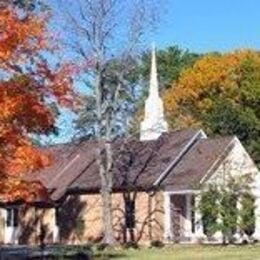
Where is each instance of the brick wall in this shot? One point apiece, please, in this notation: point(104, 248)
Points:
point(80, 220)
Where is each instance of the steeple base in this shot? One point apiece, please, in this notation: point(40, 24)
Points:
point(148, 133)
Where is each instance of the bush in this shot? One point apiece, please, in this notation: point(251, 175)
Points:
point(157, 244)
point(102, 246)
point(210, 210)
point(131, 244)
point(247, 213)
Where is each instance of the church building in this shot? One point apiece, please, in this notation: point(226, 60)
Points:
point(156, 186)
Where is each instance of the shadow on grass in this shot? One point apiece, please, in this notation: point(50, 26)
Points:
point(107, 256)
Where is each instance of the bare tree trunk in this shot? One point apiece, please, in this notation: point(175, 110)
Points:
point(107, 216)
point(104, 161)
point(97, 26)
point(106, 190)
point(106, 195)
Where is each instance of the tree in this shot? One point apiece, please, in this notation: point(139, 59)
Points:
point(247, 213)
point(221, 93)
point(25, 5)
point(104, 32)
point(171, 62)
point(209, 209)
point(219, 206)
point(228, 214)
point(28, 90)
point(128, 96)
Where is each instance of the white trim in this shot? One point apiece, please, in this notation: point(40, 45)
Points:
point(167, 217)
point(234, 141)
point(256, 234)
point(56, 228)
point(217, 161)
point(199, 233)
point(56, 234)
point(10, 232)
point(199, 135)
point(182, 192)
point(203, 134)
point(188, 216)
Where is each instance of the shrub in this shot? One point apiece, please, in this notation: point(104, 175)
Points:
point(157, 244)
point(229, 215)
point(102, 246)
point(209, 209)
point(247, 214)
point(131, 244)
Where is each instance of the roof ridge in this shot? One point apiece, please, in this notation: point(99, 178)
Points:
point(219, 137)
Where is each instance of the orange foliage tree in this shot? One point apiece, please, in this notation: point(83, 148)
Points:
point(221, 93)
point(28, 88)
point(212, 77)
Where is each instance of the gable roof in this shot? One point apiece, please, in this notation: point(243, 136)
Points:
point(139, 163)
point(175, 161)
point(199, 163)
point(68, 161)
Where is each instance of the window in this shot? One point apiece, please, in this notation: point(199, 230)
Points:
point(12, 217)
point(193, 221)
point(57, 215)
point(130, 214)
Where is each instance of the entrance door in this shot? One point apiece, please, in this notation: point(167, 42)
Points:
point(178, 213)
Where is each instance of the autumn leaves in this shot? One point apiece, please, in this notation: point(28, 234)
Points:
point(29, 86)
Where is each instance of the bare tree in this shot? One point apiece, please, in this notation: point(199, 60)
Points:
point(107, 34)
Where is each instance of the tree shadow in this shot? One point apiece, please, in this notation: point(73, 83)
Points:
point(133, 161)
point(31, 224)
point(70, 220)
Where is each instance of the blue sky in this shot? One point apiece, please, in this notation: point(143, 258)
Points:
point(200, 26)
point(210, 25)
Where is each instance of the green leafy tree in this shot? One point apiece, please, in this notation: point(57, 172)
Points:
point(171, 62)
point(210, 210)
point(228, 214)
point(220, 211)
point(247, 214)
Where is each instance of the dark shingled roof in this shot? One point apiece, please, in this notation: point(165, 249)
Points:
point(136, 164)
point(74, 167)
point(199, 163)
point(68, 162)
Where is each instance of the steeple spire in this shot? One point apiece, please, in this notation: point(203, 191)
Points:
point(154, 85)
point(154, 123)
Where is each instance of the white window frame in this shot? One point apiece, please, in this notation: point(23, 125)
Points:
point(11, 226)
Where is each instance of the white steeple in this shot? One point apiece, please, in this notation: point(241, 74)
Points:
point(154, 123)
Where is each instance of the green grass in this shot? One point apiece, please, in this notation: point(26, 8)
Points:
point(182, 252)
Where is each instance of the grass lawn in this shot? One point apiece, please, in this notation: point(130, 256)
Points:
point(185, 252)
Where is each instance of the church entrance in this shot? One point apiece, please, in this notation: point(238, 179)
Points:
point(178, 216)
